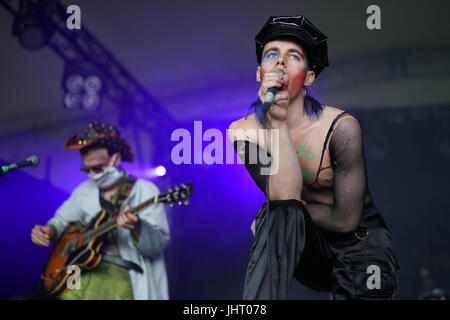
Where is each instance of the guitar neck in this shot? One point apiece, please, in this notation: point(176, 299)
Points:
point(108, 226)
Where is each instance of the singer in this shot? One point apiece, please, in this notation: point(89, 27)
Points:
point(133, 265)
point(320, 224)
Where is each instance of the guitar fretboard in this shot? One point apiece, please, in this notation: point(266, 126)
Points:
point(108, 226)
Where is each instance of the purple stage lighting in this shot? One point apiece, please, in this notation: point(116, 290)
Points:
point(160, 171)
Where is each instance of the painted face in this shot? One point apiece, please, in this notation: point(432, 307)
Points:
point(290, 57)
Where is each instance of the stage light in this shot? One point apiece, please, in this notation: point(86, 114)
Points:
point(32, 37)
point(92, 85)
point(31, 25)
point(72, 101)
point(90, 102)
point(160, 171)
point(83, 86)
point(74, 83)
point(152, 172)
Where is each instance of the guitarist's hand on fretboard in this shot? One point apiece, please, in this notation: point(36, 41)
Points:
point(130, 221)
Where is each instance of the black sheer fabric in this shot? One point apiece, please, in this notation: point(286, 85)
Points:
point(344, 141)
point(255, 160)
point(319, 258)
point(347, 161)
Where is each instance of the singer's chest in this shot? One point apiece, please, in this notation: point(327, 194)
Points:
point(312, 149)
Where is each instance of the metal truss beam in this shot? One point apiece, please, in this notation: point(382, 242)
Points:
point(133, 100)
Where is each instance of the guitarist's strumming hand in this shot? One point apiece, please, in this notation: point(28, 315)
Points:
point(41, 235)
point(130, 221)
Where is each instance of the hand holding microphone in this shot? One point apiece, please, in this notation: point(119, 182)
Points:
point(271, 83)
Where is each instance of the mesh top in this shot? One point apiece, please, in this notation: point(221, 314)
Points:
point(345, 146)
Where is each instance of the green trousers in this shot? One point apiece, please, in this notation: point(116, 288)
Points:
point(107, 281)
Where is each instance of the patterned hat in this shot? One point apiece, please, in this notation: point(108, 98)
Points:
point(102, 135)
point(314, 42)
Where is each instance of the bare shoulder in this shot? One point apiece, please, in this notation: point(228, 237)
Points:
point(247, 122)
point(347, 123)
point(330, 113)
point(245, 128)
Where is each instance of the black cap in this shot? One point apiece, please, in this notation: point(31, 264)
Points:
point(312, 40)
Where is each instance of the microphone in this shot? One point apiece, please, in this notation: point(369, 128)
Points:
point(270, 95)
point(32, 161)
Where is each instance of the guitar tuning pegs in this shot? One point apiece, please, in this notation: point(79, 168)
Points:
point(179, 203)
point(171, 205)
point(186, 202)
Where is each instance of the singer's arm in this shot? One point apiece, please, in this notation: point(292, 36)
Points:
point(347, 158)
point(285, 180)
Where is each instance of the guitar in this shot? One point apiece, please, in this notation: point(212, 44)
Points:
point(80, 245)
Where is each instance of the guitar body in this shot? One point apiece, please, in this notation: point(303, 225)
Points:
point(70, 249)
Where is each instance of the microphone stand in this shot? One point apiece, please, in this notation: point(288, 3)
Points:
point(266, 107)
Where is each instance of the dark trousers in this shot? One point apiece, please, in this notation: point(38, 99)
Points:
point(345, 265)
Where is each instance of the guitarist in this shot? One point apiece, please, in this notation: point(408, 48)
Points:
point(132, 266)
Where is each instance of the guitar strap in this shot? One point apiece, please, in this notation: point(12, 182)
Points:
point(124, 191)
point(113, 209)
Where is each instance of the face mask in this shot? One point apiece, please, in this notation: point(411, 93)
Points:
point(108, 177)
